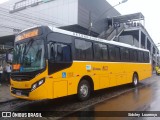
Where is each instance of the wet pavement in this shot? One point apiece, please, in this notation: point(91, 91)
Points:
point(5, 93)
point(142, 99)
point(104, 104)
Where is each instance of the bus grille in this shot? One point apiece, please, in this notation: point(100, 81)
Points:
point(21, 77)
point(20, 92)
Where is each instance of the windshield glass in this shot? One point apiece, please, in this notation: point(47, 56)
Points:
point(29, 55)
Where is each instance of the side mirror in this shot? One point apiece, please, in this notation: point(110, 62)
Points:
point(49, 50)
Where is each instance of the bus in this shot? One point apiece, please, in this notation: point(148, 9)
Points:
point(49, 63)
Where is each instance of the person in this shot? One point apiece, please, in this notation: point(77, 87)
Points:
point(8, 71)
point(157, 68)
point(1, 72)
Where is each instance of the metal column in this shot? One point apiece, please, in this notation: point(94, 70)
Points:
point(156, 57)
point(146, 42)
point(140, 38)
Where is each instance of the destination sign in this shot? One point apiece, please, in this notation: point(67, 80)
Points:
point(27, 34)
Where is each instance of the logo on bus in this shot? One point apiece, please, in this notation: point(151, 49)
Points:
point(88, 67)
point(63, 74)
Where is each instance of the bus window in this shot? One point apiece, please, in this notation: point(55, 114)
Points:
point(66, 53)
point(112, 53)
point(131, 56)
point(97, 51)
point(135, 56)
point(146, 57)
point(89, 51)
point(80, 49)
point(117, 51)
point(104, 52)
point(60, 52)
point(140, 56)
point(124, 54)
point(83, 50)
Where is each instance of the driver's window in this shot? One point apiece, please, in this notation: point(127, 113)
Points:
point(60, 52)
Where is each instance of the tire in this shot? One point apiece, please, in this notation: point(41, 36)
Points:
point(84, 90)
point(135, 80)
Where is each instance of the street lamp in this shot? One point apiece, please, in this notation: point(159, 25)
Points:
point(158, 44)
point(92, 23)
point(123, 1)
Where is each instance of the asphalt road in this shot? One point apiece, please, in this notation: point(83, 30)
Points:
point(120, 100)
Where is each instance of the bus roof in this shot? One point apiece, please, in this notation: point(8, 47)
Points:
point(54, 29)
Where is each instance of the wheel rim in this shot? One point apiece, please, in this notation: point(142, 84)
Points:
point(135, 81)
point(84, 90)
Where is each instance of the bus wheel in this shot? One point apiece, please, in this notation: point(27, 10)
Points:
point(135, 80)
point(84, 90)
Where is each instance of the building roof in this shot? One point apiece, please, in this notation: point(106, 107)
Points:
point(127, 18)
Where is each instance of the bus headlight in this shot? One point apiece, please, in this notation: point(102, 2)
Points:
point(37, 84)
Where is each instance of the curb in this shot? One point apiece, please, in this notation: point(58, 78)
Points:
point(7, 101)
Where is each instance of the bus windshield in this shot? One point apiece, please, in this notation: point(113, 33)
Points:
point(29, 55)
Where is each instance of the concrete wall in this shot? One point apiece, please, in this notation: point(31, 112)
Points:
point(129, 39)
point(58, 13)
point(97, 11)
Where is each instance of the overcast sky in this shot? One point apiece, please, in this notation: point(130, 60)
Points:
point(1, 1)
point(149, 8)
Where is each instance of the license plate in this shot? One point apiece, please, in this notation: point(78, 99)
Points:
point(18, 93)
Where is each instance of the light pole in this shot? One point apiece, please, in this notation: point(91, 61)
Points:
point(93, 22)
point(158, 44)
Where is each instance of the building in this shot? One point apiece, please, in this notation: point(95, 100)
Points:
point(74, 15)
point(92, 17)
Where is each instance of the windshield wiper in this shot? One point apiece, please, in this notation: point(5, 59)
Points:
point(28, 46)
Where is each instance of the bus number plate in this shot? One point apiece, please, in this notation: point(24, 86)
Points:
point(18, 93)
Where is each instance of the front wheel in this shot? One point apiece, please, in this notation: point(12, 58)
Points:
point(135, 80)
point(84, 90)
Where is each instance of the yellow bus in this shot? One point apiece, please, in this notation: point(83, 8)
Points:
point(50, 63)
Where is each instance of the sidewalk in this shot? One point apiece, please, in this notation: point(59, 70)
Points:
point(5, 95)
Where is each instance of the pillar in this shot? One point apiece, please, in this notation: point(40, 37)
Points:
point(140, 38)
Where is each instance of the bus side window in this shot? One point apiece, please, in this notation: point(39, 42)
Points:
point(117, 51)
point(140, 56)
point(66, 53)
point(146, 57)
point(63, 53)
point(135, 56)
point(60, 52)
point(112, 53)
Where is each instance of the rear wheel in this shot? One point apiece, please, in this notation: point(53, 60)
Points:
point(84, 90)
point(135, 80)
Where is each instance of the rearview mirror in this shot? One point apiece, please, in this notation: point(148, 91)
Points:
point(49, 50)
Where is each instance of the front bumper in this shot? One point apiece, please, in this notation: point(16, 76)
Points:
point(19, 90)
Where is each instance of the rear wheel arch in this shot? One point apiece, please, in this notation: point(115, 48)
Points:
point(135, 79)
point(85, 87)
point(89, 79)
